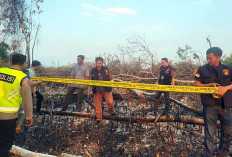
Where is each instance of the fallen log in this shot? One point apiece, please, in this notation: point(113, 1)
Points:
point(133, 119)
point(69, 155)
point(187, 107)
point(142, 94)
point(18, 151)
point(26, 153)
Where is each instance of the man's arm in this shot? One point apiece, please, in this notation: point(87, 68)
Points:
point(27, 100)
point(110, 77)
point(223, 89)
point(73, 72)
point(157, 82)
point(72, 76)
point(35, 83)
point(89, 87)
point(199, 84)
point(32, 83)
point(173, 77)
point(87, 74)
point(20, 120)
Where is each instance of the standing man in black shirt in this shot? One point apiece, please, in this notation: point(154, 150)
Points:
point(211, 75)
point(166, 77)
point(101, 73)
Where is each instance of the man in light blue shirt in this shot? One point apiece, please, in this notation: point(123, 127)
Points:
point(79, 71)
point(36, 94)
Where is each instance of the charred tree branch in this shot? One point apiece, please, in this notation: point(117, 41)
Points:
point(133, 119)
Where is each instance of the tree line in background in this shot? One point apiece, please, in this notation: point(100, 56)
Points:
point(136, 57)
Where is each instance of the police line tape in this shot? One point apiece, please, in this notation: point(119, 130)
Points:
point(144, 86)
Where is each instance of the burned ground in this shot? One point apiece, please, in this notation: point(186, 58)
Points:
point(55, 134)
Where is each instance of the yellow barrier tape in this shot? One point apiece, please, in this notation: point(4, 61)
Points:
point(144, 86)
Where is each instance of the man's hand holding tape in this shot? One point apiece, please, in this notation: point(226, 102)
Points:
point(222, 90)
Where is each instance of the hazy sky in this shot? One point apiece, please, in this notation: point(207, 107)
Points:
point(93, 27)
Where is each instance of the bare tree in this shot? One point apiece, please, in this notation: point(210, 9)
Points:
point(17, 18)
point(207, 39)
point(137, 45)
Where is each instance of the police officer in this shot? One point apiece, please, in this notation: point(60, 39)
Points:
point(102, 73)
point(15, 89)
point(210, 75)
point(166, 77)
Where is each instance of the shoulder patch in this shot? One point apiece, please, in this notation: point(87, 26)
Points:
point(167, 70)
point(197, 75)
point(7, 78)
point(226, 72)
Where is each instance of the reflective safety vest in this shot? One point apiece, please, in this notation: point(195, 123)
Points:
point(10, 86)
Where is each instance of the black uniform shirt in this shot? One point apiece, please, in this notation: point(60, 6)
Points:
point(165, 76)
point(221, 75)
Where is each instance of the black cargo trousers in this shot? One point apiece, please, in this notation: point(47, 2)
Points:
point(7, 136)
